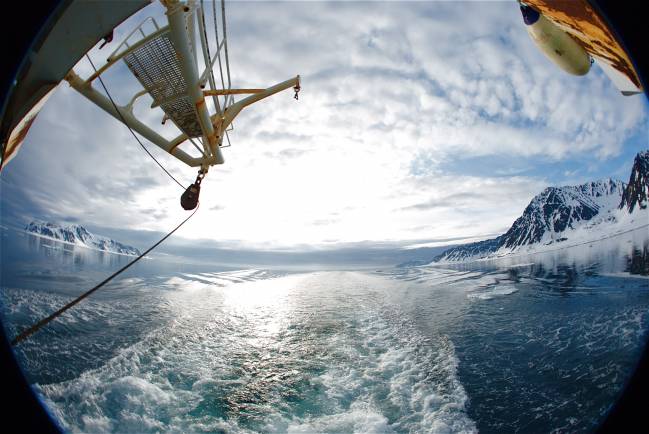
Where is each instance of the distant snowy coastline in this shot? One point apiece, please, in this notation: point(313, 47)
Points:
point(563, 217)
point(77, 235)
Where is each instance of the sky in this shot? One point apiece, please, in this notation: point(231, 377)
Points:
point(418, 123)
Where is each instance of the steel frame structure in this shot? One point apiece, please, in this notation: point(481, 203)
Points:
point(186, 107)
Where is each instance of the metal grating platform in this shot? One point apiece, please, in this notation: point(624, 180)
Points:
point(155, 65)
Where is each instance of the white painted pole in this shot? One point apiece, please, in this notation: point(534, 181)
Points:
point(191, 30)
point(106, 105)
point(178, 34)
point(235, 108)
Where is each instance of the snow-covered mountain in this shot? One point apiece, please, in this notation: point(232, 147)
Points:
point(636, 192)
point(78, 235)
point(568, 214)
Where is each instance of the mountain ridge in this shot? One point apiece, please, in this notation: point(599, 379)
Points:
point(637, 190)
point(556, 213)
point(79, 236)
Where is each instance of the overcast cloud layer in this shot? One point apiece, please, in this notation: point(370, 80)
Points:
point(417, 121)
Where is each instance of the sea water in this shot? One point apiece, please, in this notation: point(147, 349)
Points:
point(534, 344)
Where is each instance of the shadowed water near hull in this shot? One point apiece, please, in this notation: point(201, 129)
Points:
point(538, 343)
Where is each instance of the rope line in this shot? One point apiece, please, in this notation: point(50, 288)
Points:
point(225, 38)
point(129, 127)
point(38, 325)
point(225, 47)
point(227, 60)
point(215, 98)
point(196, 146)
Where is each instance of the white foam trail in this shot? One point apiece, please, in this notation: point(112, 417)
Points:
point(360, 418)
point(625, 274)
point(497, 291)
point(254, 343)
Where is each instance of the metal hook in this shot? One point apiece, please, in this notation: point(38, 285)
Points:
point(200, 176)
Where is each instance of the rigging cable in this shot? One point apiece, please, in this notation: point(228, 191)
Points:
point(39, 324)
point(215, 98)
point(227, 61)
point(216, 34)
point(225, 39)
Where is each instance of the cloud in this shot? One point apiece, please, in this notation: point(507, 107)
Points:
point(400, 105)
point(287, 154)
point(325, 221)
point(217, 207)
point(455, 200)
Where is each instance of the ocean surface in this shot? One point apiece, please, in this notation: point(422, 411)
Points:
point(529, 344)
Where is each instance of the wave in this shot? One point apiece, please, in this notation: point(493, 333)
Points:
point(261, 356)
point(493, 292)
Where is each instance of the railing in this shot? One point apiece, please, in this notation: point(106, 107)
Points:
point(116, 55)
point(137, 29)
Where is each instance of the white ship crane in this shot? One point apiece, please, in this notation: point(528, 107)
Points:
point(173, 63)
